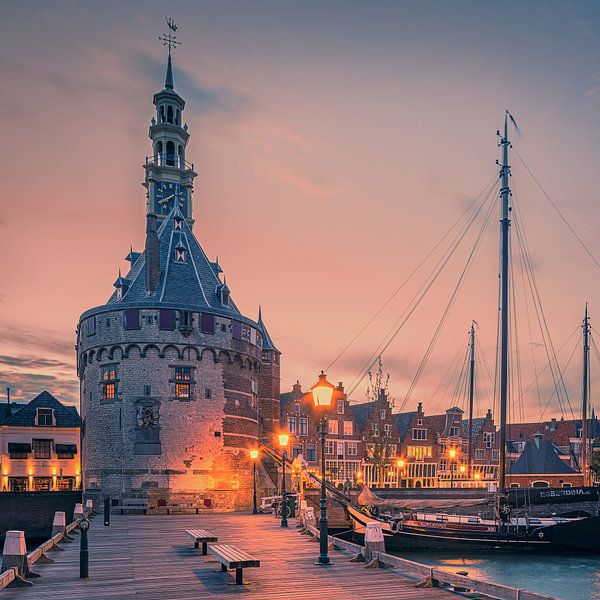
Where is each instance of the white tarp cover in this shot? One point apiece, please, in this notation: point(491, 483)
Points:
point(368, 498)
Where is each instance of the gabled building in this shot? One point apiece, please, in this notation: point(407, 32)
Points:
point(540, 465)
point(39, 446)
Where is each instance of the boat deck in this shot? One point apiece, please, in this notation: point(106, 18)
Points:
point(151, 557)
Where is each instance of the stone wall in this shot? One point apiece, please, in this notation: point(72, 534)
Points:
point(146, 439)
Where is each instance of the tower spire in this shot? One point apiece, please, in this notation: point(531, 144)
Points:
point(169, 77)
point(169, 40)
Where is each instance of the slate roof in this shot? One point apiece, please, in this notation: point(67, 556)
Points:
point(192, 284)
point(540, 457)
point(4, 412)
point(361, 413)
point(478, 423)
point(267, 341)
point(403, 421)
point(66, 416)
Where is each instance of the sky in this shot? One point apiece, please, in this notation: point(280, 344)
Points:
point(336, 143)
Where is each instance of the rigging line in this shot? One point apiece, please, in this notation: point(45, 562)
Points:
point(483, 192)
point(453, 367)
point(415, 300)
point(555, 207)
point(555, 389)
point(533, 284)
point(449, 305)
point(460, 380)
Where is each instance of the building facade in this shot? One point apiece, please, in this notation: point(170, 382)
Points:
point(39, 446)
point(175, 382)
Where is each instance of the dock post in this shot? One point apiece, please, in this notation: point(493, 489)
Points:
point(374, 544)
point(106, 512)
point(77, 514)
point(59, 525)
point(84, 555)
point(14, 555)
point(89, 508)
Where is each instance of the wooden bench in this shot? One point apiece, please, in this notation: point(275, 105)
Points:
point(200, 535)
point(231, 557)
point(134, 504)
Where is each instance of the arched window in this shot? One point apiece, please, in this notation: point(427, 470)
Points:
point(177, 117)
point(161, 114)
point(181, 157)
point(158, 157)
point(540, 484)
point(170, 114)
point(514, 485)
point(170, 154)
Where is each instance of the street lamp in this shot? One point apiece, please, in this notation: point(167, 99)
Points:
point(400, 462)
point(283, 442)
point(254, 456)
point(452, 455)
point(322, 393)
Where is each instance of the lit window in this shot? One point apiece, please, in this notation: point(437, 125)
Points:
point(44, 417)
point(333, 427)
point(348, 428)
point(183, 378)
point(108, 375)
point(418, 452)
point(182, 390)
point(340, 406)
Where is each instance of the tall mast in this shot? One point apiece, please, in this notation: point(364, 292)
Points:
point(505, 194)
point(471, 391)
point(585, 394)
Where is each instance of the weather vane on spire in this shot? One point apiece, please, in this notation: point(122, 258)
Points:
point(169, 39)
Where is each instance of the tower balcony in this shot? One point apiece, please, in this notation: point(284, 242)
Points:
point(169, 166)
point(169, 160)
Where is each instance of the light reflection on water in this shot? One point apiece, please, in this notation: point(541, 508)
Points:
point(565, 577)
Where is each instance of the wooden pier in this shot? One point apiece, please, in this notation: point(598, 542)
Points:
point(151, 557)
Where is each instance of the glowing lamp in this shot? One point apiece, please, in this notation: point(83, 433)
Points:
point(254, 454)
point(322, 391)
point(477, 475)
point(452, 453)
point(30, 472)
point(283, 439)
point(463, 468)
point(5, 472)
point(400, 462)
point(358, 474)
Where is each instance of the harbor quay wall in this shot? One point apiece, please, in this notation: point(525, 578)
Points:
point(33, 512)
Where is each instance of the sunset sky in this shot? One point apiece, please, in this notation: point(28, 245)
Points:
point(335, 142)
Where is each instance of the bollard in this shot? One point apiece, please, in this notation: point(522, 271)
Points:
point(374, 544)
point(14, 554)
point(309, 518)
point(77, 514)
point(302, 510)
point(106, 512)
point(59, 525)
point(89, 508)
point(84, 555)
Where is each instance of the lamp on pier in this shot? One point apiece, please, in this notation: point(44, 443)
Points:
point(322, 393)
point(284, 438)
point(452, 454)
point(254, 456)
point(400, 463)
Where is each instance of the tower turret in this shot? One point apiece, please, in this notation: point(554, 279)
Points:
point(169, 177)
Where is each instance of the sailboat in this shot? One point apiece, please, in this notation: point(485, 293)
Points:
point(408, 523)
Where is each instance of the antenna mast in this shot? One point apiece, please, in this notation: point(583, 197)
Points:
point(471, 393)
point(585, 394)
point(505, 194)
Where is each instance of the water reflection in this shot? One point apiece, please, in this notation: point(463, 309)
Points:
point(565, 577)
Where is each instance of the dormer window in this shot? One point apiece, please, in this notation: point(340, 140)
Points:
point(178, 223)
point(180, 253)
point(119, 293)
point(44, 417)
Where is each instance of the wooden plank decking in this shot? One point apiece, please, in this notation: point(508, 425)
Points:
point(149, 557)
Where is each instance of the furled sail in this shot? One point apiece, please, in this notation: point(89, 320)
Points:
point(369, 498)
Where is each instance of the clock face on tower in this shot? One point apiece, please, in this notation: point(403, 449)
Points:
point(166, 194)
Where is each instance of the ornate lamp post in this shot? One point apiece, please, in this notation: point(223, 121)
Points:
point(322, 393)
point(254, 456)
point(400, 464)
point(283, 442)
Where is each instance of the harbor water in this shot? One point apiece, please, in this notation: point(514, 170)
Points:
point(564, 577)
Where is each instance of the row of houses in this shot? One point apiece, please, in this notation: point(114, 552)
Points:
point(369, 444)
point(39, 445)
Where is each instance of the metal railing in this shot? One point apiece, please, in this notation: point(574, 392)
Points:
point(169, 160)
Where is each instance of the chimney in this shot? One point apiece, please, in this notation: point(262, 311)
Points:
point(420, 407)
point(488, 415)
point(151, 254)
point(340, 386)
point(297, 388)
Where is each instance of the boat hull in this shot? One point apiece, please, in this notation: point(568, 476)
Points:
point(581, 535)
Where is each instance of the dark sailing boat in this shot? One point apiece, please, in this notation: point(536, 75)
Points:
point(407, 525)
